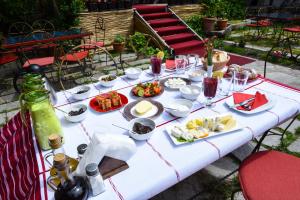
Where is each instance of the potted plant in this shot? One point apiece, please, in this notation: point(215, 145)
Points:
point(221, 14)
point(119, 43)
point(210, 20)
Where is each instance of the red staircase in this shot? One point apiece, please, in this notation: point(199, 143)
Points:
point(172, 32)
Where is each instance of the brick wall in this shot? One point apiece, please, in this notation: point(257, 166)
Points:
point(121, 22)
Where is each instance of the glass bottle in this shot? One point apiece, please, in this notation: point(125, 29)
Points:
point(45, 121)
point(95, 179)
point(56, 144)
point(70, 187)
point(80, 150)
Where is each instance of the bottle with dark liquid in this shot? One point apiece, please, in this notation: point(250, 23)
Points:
point(55, 142)
point(70, 187)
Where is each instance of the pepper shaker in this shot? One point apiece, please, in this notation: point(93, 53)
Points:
point(95, 179)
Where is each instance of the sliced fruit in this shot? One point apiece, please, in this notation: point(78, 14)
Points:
point(230, 124)
point(224, 119)
point(218, 74)
point(140, 93)
point(160, 55)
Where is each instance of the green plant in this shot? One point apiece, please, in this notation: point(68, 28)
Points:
point(195, 22)
point(119, 39)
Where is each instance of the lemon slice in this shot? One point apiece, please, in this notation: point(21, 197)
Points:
point(218, 74)
point(160, 55)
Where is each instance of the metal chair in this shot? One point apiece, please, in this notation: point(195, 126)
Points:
point(99, 35)
point(19, 29)
point(43, 25)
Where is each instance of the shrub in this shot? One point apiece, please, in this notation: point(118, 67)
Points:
point(195, 22)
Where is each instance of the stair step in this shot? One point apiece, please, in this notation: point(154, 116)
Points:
point(181, 37)
point(163, 22)
point(187, 45)
point(150, 8)
point(157, 15)
point(170, 30)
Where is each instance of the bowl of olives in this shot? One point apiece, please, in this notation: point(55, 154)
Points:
point(141, 128)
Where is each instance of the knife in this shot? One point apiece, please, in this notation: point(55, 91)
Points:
point(242, 103)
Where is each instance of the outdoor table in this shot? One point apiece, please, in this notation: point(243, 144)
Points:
point(17, 42)
point(158, 163)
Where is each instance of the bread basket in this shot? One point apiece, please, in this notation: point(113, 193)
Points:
point(217, 65)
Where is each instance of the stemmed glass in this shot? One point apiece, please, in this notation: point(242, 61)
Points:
point(210, 86)
point(156, 66)
point(193, 61)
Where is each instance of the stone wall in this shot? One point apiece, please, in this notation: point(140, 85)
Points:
point(121, 22)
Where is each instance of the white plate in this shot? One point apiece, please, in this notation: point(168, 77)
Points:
point(211, 134)
point(267, 106)
point(148, 114)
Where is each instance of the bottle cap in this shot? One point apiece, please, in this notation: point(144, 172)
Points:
point(92, 169)
point(55, 141)
point(59, 161)
point(81, 148)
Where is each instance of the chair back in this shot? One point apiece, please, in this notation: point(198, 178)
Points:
point(19, 170)
point(100, 29)
point(19, 29)
point(43, 25)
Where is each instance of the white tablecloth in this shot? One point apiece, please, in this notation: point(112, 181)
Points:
point(158, 163)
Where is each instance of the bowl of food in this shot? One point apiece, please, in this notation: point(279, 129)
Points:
point(133, 73)
point(141, 128)
point(108, 80)
point(219, 59)
point(180, 107)
point(76, 113)
point(81, 92)
point(196, 75)
point(190, 92)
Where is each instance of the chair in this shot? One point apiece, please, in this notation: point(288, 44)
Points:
point(270, 175)
point(99, 35)
point(43, 25)
point(19, 29)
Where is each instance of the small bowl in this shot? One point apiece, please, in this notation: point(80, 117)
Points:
point(133, 73)
point(196, 76)
point(180, 113)
point(108, 83)
point(76, 118)
point(144, 121)
point(81, 96)
point(193, 95)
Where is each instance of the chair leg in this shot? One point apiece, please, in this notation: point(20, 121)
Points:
point(288, 126)
point(256, 148)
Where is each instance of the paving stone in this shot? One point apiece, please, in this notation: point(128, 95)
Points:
point(9, 106)
point(293, 126)
point(244, 151)
point(295, 146)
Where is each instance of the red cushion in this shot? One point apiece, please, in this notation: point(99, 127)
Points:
point(7, 59)
point(93, 45)
point(295, 29)
point(74, 57)
point(39, 61)
point(270, 175)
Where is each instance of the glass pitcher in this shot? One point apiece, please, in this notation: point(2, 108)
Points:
point(45, 121)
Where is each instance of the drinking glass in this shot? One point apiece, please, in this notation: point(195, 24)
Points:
point(156, 66)
point(193, 61)
point(210, 86)
point(180, 64)
point(225, 85)
point(239, 81)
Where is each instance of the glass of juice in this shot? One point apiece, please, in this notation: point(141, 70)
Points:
point(156, 66)
point(210, 86)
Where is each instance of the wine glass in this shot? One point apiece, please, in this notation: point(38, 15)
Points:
point(156, 66)
point(180, 64)
point(193, 61)
point(210, 86)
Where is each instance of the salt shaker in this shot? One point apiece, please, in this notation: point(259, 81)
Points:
point(95, 179)
point(80, 150)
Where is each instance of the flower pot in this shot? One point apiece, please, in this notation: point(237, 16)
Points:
point(222, 24)
point(119, 47)
point(209, 24)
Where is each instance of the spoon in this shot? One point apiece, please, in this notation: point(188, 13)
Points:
point(124, 128)
point(62, 111)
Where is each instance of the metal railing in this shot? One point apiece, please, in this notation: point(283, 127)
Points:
point(107, 5)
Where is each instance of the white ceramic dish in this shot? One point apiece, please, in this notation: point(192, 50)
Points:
point(107, 83)
point(76, 118)
point(190, 92)
point(133, 73)
point(145, 122)
point(196, 76)
point(271, 103)
point(177, 106)
point(81, 96)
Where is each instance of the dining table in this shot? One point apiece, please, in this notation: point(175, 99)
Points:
point(158, 162)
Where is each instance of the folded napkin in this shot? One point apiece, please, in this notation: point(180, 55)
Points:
point(120, 147)
point(170, 64)
point(260, 99)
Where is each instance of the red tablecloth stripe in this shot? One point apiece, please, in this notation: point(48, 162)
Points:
point(19, 173)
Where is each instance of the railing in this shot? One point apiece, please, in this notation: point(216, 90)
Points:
point(106, 5)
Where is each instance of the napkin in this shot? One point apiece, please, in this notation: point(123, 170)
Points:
point(260, 99)
point(170, 64)
point(120, 147)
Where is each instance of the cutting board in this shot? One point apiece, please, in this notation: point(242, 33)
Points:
point(109, 167)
